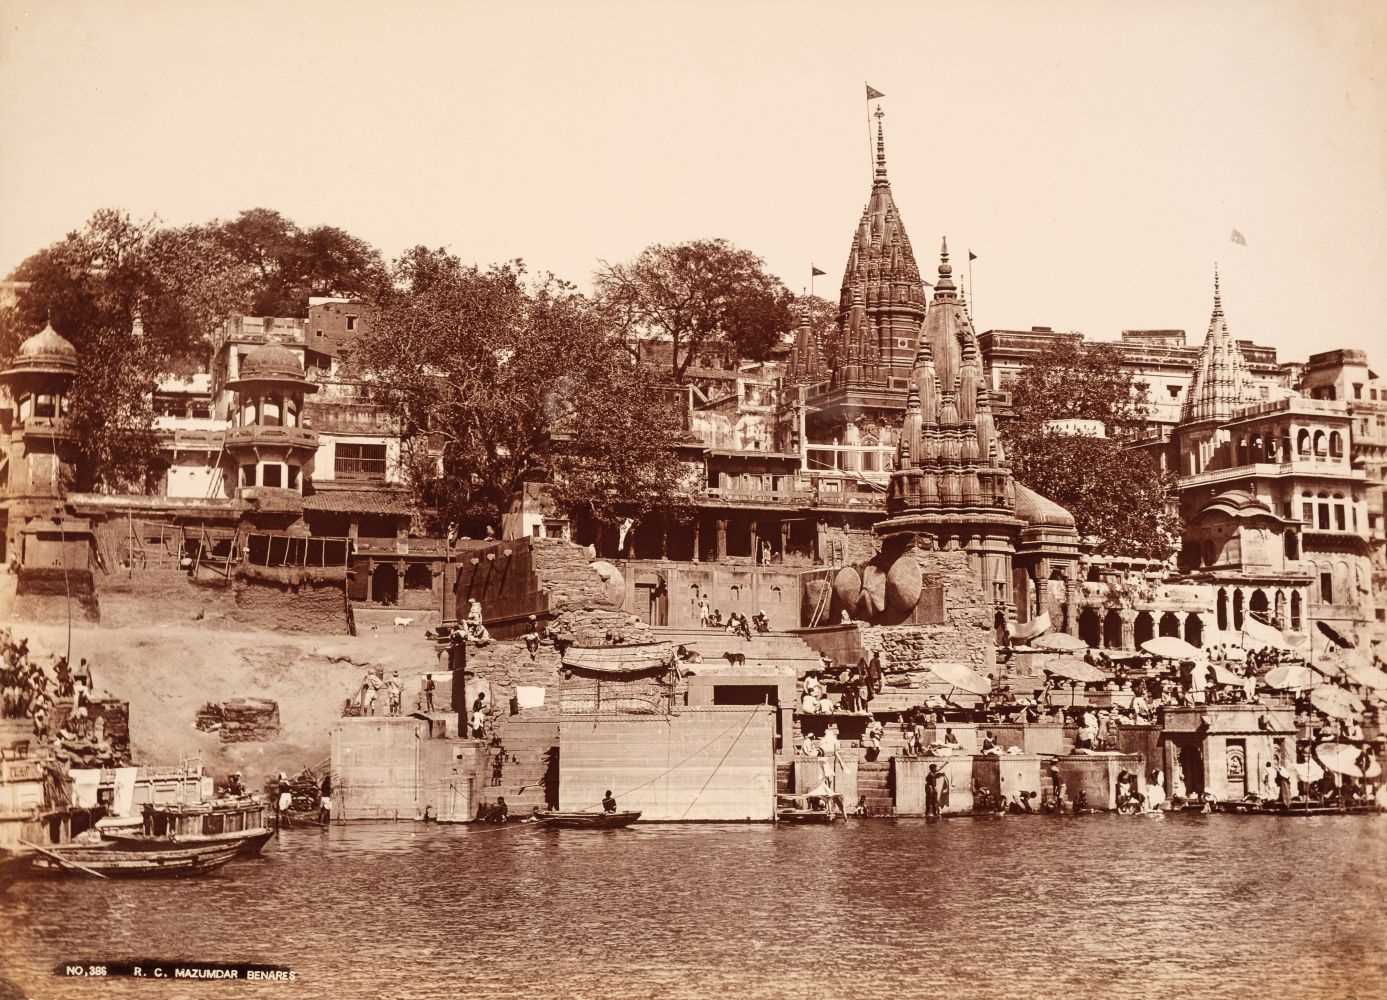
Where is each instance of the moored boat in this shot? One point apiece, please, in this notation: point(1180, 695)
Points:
point(589, 820)
point(237, 822)
point(818, 808)
point(109, 860)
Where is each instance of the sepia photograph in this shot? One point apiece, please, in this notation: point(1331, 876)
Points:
point(693, 499)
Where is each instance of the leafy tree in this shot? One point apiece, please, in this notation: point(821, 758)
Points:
point(706, 295)
point(509, 381)
point(1119, 496)
point(292, 264)
point(92, 285)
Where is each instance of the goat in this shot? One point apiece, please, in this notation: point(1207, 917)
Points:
point(403, 622)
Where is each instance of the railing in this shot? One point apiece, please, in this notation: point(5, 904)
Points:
point(358, 468)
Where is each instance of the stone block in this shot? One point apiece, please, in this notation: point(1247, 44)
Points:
point(1095, 776)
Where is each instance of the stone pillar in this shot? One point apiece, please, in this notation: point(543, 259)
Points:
point(370, 578)
point(1129, 629)
point(784, 539)
point(722, 538)
point(697, 523)
point(664, 537)
point(756, 543)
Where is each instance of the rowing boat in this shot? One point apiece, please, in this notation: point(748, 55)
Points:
point(110, 860)
point(589, 820)
point(230, 822)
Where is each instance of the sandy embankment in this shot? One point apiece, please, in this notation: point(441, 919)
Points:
point(166, 672)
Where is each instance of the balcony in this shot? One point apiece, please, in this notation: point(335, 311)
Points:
point(1269, 470)
point(42, 427)
point(263, 436)
point(359, 469)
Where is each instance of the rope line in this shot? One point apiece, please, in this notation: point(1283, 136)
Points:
point(718, 766)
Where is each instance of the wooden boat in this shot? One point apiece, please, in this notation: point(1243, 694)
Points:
point(589, 820)
point(824, 808)
point(110, 860)
point(237, 822)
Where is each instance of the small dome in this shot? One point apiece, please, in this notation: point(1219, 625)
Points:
point(1035, 509)
point(273, 362)
point(46, 352)
point(1238, 504)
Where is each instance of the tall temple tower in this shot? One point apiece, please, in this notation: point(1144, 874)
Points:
point(951, 479)
point(50, 550)
point(868, 357)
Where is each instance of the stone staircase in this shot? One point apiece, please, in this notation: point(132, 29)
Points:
point(763, 651)
point(873, 785)
point(529, 743)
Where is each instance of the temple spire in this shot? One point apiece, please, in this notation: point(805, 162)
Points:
point(1218, 301)
point(944, 289)
point(880, 177)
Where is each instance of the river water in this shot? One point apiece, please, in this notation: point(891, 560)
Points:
point(1204, 906)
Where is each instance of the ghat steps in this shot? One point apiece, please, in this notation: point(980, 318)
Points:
point(763, 651)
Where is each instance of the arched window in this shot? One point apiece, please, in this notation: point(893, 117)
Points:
point(1222, 609)
point(1292, 545)
point(419, 577)
point(1295, 611)
point(1336, 444)
point(1143, 628)
point(1112, 630)
point(1170, 624)
point(1090, 629)
point(1238, 609)
point(1320, 448)
point(1302, 442)
point(1194, 630)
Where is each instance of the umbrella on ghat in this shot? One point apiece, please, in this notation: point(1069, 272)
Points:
point(1334, 635)
point(1335, 702)
point(1074, 669)
point(1289, 676)
point(1027, 631)
point(1061, 642)
point(961, 677)
point(1342, 758)
point(1366, 675)
point(1171, 648)
point(1225, 676)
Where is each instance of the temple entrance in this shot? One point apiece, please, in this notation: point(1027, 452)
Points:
point(1259, 606)
point(1170, 624)
point(1188, 761)
point(1112, 630)
point(1090, 630)
point(1143, 628)
point(385, 585)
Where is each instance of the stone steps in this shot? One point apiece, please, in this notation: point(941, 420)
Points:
point(873, 785)
point(762, 650)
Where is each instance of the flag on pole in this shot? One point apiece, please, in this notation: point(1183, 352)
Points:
point(814, 272)
point(1238, 238)
point(972, 255)
point(873, 93)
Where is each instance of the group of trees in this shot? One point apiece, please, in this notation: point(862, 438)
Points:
point(505, 377)
point(1119, 496)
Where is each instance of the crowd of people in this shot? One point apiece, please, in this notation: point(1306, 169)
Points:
point(27, 691)
point(736, 623)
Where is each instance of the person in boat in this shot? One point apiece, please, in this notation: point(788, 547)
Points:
point(501, 814)
point(609, 802)
point(535, 816)
point(932, 780)
point(234, 787)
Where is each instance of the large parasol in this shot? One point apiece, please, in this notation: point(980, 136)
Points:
point(1074, 669)
point(1342, 758)
point(961, 677)
point(1290, 676)
point(1335, 636)
point(1060, 642)
point(1335, 702)
point(1366, 675)
point(1171, 648)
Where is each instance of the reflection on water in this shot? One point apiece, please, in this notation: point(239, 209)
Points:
point(1220, 906)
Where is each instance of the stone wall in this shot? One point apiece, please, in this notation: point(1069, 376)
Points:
point(309, 606)
point(522, 577)
point(965, 637)
point(708, 763)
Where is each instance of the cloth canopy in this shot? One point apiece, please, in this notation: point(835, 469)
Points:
point(1027, 631)
point(1260, 635)
point(1225, 676)
point(1366, 675)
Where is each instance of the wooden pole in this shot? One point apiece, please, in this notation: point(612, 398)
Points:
point(67, 862)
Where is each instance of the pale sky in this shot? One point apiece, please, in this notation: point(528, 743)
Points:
point(1096, 156)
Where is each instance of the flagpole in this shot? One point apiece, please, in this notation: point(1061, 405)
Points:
point(972, 291)
point(812, 276)
point(871, 157)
